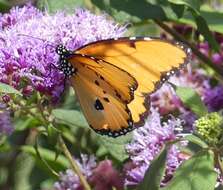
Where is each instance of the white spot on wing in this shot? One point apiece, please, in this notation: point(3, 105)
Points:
point(132, 38)
point(147, 38)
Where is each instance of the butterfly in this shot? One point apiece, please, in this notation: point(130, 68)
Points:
point(113, 78)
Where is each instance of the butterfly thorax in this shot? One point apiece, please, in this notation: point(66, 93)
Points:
point(64, 64)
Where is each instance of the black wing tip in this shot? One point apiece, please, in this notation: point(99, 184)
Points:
point(114, 134)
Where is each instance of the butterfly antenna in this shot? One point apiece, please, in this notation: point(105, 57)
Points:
point(43, 40)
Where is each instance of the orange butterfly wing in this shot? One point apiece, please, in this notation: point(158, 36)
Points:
point(150, 61)
point(103, 91)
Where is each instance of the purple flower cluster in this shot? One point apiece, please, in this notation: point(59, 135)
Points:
point(19, 15)
point(102, 176)
point(106, 176)
point(5, 122)
point(166, 100)
point(204, 47)
point(26, 62)
point(69, 180)
point(214, 98)
point(146, 145)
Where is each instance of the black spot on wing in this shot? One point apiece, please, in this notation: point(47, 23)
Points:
point(132, 44)
point(106, 99)
point(96, 82)
point(116, 133)
point(98, 105)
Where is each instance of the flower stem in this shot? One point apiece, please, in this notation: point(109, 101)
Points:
point(73, 163)
point(201, 56)
point(218, 162)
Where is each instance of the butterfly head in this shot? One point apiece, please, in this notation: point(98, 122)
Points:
point(60, 50)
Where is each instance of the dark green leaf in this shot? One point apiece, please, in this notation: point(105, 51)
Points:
point(23, 169)
point(178, 9)
point(49, 156)
point(213, 19)
point(4, 5)
point(5, 88)
point(155, 172)
point(202, 26)
point(116, 147)
point(142, 9)
point(5, 146)
point(194, 4)
point(205, 31)
point(70, 117)
point(52, 134)
point(196, 140)
point(192, 100)
point(195, 173)
point(3, 175)
point(23, 124)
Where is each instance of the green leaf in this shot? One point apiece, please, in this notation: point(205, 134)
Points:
point(53, 6)
point(25, 173)
point(203, 28)
point(178, 9)
point(160, 10)
point(142, 9)
point(195, 173)
point(196, 140)
point(70, 117)
point(116, 147)
point(25, 123)
point(5, 88)
point(49, 156)
point(155, 172)
point(23, 168)
point(212, 17)
point(4, 6)
point(194, 4)
point(192, 100)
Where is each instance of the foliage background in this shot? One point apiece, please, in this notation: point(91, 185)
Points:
point(21, 168)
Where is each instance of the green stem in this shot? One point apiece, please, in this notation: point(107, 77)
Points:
point(201, 56)
point(73, 163)
point(218, 161)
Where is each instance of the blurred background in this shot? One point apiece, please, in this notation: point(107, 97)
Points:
point(195, 20)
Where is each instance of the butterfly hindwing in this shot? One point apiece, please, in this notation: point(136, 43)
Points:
point(103, 97)
point(118, 82)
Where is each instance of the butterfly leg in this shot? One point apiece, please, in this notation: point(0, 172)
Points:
point(50, 69)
